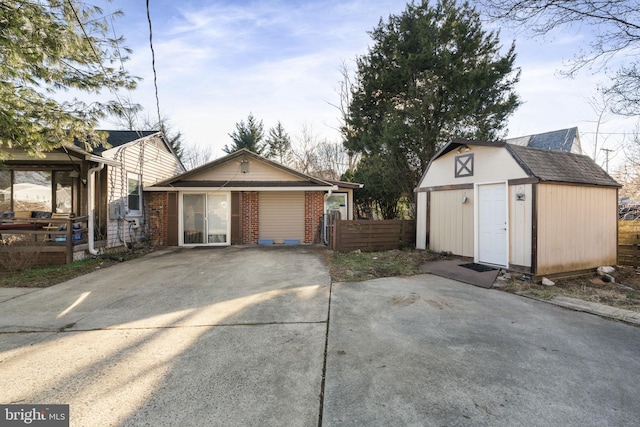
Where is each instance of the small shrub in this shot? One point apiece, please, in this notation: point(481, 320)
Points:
point(21, 254)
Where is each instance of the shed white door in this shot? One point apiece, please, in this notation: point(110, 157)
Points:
point(492, 224)
point(282, 216)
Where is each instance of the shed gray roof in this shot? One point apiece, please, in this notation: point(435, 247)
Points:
point(560, 166)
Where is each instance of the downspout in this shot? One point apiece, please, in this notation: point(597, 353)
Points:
point(325, 237)
point(91, 199)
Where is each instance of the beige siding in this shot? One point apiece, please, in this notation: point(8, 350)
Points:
point(451, 222)
point(490, 164)
point(281, 216)
point(258, 171)
point(421, 220)
point(577, 228)
point(520, 224)
point(148, 158)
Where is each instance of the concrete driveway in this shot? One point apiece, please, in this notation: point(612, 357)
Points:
point(238, 336)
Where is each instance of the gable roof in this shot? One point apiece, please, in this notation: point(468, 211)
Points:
point(184, 179)
point(543, 164)
point(560, 166)
point(567, 140)
point(117, 138)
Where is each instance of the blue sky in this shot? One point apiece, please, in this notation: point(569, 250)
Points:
point(218, 61)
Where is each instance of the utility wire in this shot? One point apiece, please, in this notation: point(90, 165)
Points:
point(153, 66)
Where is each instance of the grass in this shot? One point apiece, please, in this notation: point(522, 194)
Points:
point(42, 277)
point(623, 293)
point(357, 266)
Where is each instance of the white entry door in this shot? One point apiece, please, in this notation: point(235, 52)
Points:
point(492, 224)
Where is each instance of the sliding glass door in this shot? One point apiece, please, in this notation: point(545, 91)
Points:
point(205, 218)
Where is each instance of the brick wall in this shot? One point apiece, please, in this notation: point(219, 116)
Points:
point(157, 216)
point(250, 217)
point(156, 204)
point(313, 210)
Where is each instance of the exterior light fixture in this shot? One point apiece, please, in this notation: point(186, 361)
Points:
point(244, 166)
point(463, 149)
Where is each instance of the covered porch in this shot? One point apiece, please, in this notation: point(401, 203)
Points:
point(51, 207)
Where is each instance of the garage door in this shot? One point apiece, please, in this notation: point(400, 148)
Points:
point(282, 216)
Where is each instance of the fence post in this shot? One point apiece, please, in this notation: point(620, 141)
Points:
point(69, 234)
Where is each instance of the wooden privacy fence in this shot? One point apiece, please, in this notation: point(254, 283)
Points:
point(371, 235)
point(629, 243)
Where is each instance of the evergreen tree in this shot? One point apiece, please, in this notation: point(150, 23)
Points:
point(249, 135)
point(431, 74)
point(47, 47)
point(279, 145)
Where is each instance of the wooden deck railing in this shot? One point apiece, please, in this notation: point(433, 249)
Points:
point(48, 235)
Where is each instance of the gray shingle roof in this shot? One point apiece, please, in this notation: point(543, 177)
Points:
point(558, 140)
point(560, 166)
point(116, 138)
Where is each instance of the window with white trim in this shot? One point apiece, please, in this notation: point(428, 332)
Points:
point(134, 194)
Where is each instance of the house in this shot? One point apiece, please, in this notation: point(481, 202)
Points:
point(244, 198)
point(102, 189)
point(567, 140)
point(537, 211)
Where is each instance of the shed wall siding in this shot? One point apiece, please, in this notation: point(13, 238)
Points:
point(577, 228)
point(421, 220)
point(258, 171)
point(520, 225)
point(490, 164)
point(451, 222)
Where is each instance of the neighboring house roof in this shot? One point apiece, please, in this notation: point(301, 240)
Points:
point(186, 179)
point(567, 140)
point(560, 166)
point(118, 138)
point(543, 164)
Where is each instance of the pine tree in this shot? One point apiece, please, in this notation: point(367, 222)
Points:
point(249, 135)
point(431, 74)
point(48, 47)
point(279, 145)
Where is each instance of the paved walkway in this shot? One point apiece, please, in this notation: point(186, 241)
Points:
point(257, 336)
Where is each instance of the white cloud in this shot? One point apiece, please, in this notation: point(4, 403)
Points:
point(219, 60)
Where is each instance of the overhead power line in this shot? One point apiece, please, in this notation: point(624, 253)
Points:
point(153, 65)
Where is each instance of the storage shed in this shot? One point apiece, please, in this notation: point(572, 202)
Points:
point(536, 211)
